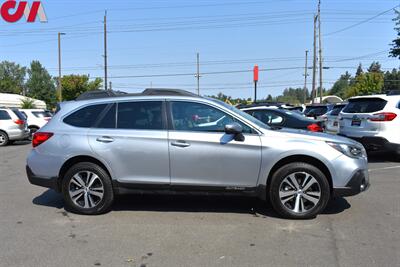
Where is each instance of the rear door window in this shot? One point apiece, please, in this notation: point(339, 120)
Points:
point(336, 110)
point(19, 114)
point(42, 114)
point(365, 105)
point(4, 115)
point(109, 120)
point(140, 115)
point(85, 117)
point(268, 117)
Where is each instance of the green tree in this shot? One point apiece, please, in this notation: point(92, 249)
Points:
point(74, 85)
point(395, 50)
point(366, 84)
point(341, 86)
point(269, 98)
point(28, 103)
point(40, 84)
point(391, 80)
point(375, 67)
point(11, 77)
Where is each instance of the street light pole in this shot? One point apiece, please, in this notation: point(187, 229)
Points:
point(59, 66)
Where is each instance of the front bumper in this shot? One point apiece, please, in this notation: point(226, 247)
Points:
point(41, 181)
point(357, 184)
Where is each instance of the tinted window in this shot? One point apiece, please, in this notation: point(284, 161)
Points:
point(141, 115)
point(85, 117)
point(365, 105)
point(41, 114)
point(336, 110)
point(317, 111)
point(19, 114)
point(4, 115)
point(268, 117)
point(188, 116)
point(108, 121)
point(23, 113)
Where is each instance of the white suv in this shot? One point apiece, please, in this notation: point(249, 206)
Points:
point(36, 118)
point(374, 121)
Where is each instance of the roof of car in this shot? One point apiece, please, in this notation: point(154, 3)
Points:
point(382, 96)
point(97, 94)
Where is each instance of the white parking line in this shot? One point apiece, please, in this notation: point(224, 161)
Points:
point(385, 168)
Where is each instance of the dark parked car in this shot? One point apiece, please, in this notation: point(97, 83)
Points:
point(284, 118)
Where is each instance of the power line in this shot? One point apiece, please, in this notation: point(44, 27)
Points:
point(361, 22)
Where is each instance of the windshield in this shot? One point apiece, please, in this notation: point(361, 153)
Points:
point(365, 105)
point(241, 113)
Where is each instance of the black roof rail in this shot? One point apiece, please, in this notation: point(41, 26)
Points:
point(168, 92)
point(96, 94)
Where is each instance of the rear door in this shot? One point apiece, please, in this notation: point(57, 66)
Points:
point(355, 117)
point(132, 138)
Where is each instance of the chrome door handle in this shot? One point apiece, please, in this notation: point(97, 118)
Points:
point(180, 144)
point(105, 139)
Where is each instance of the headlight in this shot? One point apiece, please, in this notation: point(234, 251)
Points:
point(349, 150)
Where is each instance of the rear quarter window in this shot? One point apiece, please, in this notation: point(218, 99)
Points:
point(19, 114)
point(41, 114)
point(365, 105)
point(4, 115)
point(85, 117)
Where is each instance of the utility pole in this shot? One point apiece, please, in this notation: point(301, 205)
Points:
point(320, 51)
point(59, 66)
point(198, 74)
point(313, 92)
point(105, 50)
point(305, 78)
point(110, 87)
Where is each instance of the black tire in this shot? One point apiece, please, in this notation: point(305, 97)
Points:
point(287, 210)
point(3, 139)
point(103, 205)
point(32, 131)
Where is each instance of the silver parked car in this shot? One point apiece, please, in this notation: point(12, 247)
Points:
point(174, 141)
point(13, 126)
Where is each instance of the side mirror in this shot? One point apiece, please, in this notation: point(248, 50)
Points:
point(235, 129)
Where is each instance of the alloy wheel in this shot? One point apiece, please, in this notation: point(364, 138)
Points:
point(86, 189)
point(299, 192)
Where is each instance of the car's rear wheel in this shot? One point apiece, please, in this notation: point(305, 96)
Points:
point(87, 189)
point(3, 139)
point(299, 191)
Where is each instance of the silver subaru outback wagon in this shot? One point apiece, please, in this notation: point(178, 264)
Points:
point(99, 146)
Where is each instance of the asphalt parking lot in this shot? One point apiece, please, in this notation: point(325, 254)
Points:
point(196, 231)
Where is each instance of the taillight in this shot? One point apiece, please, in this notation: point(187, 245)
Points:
point(314, 128)
point(384, 116)
point(40, 137)
point(19, 122)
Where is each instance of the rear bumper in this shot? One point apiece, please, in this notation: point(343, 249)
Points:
point(42, 181)
point(357, 184)
point(19, 135)
point(375, 143)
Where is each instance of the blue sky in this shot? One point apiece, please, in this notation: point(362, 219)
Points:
point(162, 37)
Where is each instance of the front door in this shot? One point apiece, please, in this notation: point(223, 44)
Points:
point(201, 154)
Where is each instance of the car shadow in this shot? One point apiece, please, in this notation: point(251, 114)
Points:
point(49, 198)
point(21, 143)
point(190, 203)
point(380, 157)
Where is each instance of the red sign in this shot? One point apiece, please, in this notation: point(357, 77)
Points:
point(13, 11)
point(255, 73)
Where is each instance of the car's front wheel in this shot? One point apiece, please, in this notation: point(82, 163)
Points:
point(87, 189)
point(299, 191)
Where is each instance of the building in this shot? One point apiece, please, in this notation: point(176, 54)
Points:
point(15, 101)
